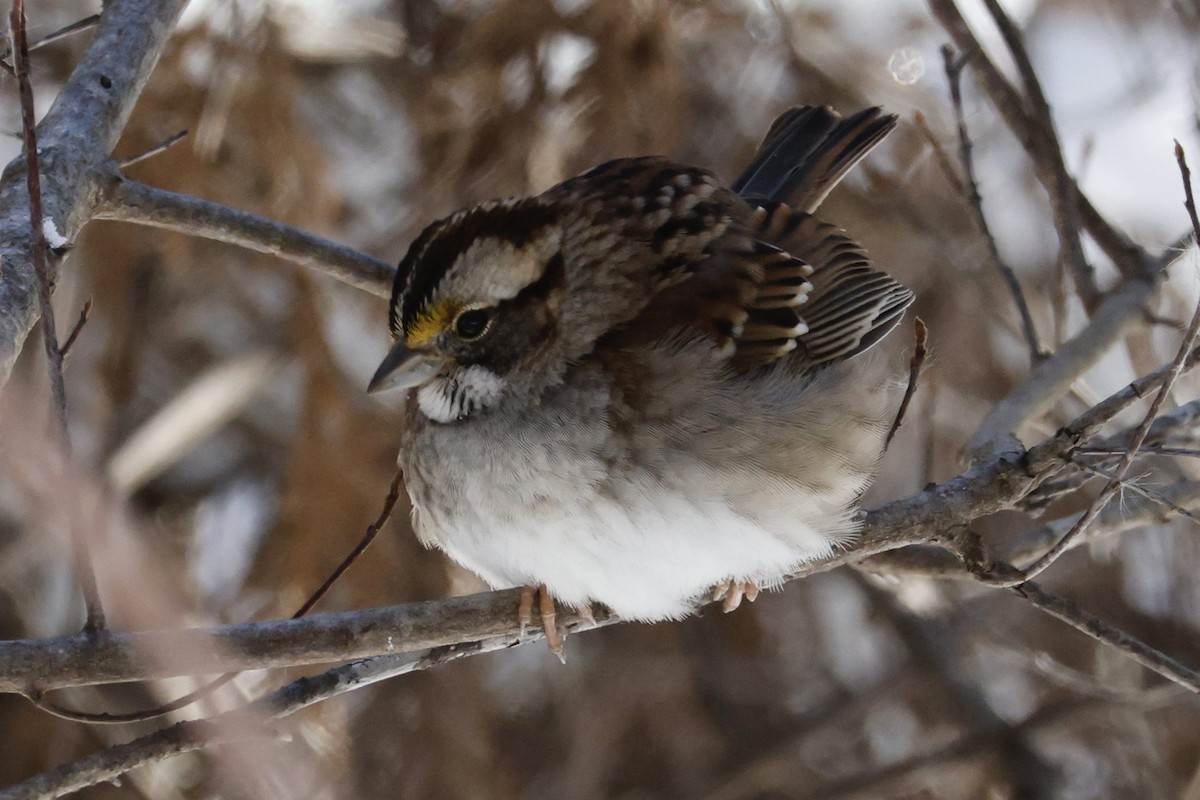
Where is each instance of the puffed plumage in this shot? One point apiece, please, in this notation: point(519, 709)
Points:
point(641, 383)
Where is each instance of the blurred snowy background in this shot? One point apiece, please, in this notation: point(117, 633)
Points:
point(221, 395)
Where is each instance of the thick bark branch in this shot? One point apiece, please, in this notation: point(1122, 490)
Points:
point(75, 139)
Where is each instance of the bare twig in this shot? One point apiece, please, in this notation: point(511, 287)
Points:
point(1132, 486)
point(940, 157)
point(1091, 421)
point(42, 703)
point(129, 201)
point(38, 698)
point(162, 146)
point(84, 570)
point(1188, 452)
point(1174, 425)
point(458, 615)
point(1060, 186)
point(186, 737)
point(189, 736)
point(372, 531)
point(1020, 546)
point(79, 323)
point(920, 340)
point(1131, 260)
point(319, 638)
point(1050, 380)
point(1002, 574)
point(898, 778)
point(36, 228)
point(1058, 303)
point(1139, 434)
point(75, 27)
point(1189, 201)
point(954, 67)
point(1066, 611)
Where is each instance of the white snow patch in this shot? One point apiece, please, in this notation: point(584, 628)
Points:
point(53, 238)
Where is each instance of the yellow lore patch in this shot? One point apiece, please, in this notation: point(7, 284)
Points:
point(431, 322)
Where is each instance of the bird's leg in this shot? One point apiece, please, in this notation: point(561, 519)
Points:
point(554, 636)
point(525, 610)
point(732, 591)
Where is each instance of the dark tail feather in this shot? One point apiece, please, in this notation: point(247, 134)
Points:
point(807, 151)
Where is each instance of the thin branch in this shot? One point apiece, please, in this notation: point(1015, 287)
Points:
point(920, 340)
point(372, 531)
point(190, 736)
point(932, 561)
point(954, 67)
point(1149, 494)
point(127, 200)
point(1131, 260)
point(37, 696)
point(1189, 201)
point(940, 157)
point(895, 779)
point(84, 313)
point(1058, 303)
point(1060, 186)
point(78, 26)
point(114, 657)
point(476, 613)
point(161, 147)
point(1188, 452)
point(1175, 423)
point(84, 571)
point(1091, 421)
point(1002, 574)
point(42, 703)
point(186, 737)
point(1139, 433)
point(37, 230)
point(75, 27)
point(1051, 379)
point(1066, 611)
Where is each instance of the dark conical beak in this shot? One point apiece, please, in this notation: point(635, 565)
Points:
point(403, 369)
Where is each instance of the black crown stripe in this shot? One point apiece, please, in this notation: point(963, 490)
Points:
point(439, 246)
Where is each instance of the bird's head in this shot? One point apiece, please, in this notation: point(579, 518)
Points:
point(475, 300)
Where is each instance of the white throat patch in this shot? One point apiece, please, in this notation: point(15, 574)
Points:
point(448, 398)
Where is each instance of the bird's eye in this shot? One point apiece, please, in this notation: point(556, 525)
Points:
point(472, 323)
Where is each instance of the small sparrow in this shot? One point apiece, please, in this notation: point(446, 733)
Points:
point(643, 387)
